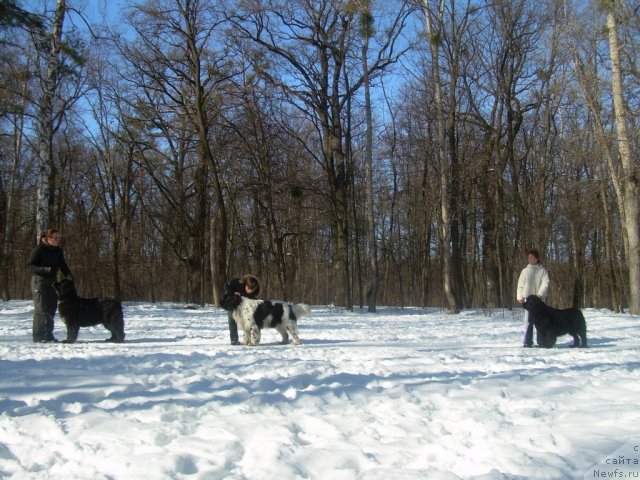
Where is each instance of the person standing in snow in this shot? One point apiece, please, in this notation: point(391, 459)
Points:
point(46, 259)
point(247, 286)
point(533, 280)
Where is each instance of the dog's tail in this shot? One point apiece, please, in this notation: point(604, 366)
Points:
point(300, 309)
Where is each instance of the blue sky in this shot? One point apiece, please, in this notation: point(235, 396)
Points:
point(96, 10)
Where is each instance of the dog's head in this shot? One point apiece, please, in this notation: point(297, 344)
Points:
point(230, 301)
point(532, 302)
point(65, 288)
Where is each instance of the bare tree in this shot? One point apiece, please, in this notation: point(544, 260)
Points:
point(14, 86)
point(112, 165)
point(187, 173)
point(502, 99)
point(46, 122)
point(628, 173)
point(621, 165)
point(435, 15)
point(177, 72)
point(367, 28)
point(311, 44)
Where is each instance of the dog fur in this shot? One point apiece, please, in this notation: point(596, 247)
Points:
point(254, 315)
point(552, 323)
point(79, 312)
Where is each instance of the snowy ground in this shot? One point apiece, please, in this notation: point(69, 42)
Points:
point(400, 394)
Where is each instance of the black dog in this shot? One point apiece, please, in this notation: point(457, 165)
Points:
point(552, 322)
point(86, 312)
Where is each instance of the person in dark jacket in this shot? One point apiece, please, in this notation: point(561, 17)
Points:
point(45, 261)
point(247, 286)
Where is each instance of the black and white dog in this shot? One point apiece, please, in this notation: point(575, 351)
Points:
point(254, 315)
point(552, 322)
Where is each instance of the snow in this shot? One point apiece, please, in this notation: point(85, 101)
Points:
point(400, 394)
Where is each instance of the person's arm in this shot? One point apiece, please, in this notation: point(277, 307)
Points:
point(544, 284)
point(64, 268)
point(520, 289)
point(34, 263)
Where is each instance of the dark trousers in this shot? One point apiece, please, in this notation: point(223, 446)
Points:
point(45, 303)
point(528, 334)
point(233, 329)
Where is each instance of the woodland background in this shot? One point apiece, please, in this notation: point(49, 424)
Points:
point(355, 153)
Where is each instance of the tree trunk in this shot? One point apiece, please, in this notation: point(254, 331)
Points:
point(444, 228)
point(630, 184)
point(7, 232)
point(201, 122)
point(610, 162)
point(611, 275)
point(372, 293)
point(45, 191)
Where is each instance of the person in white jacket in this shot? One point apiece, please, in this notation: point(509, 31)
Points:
point(533, 280)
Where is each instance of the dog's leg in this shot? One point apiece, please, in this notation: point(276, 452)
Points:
point(252, 335)
point(247, 336)
point(283, 331)
point(293, 328)
point(112, 338)
point(72, 334)
point(116, 337)
point(115, 324)
point(546, 339)
point(117, 334)
point(576, 341)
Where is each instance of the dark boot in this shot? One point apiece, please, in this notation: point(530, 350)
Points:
point(50, 325)
point(233, 330)
point(40, 328)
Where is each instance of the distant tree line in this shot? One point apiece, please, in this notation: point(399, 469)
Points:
point(352, 152)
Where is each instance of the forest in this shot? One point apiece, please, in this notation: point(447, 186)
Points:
point(349, 152)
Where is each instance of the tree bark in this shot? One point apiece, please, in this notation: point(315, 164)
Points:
point(45, 184)
point(444, 228)
point(630, 183)
point(372, 293)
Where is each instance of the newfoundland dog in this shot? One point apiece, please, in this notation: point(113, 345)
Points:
point(86, 312)
point(254, 315)
point(552, 322)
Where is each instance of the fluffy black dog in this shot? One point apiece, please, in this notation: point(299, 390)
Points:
point(86, 312)
point(552, 322)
